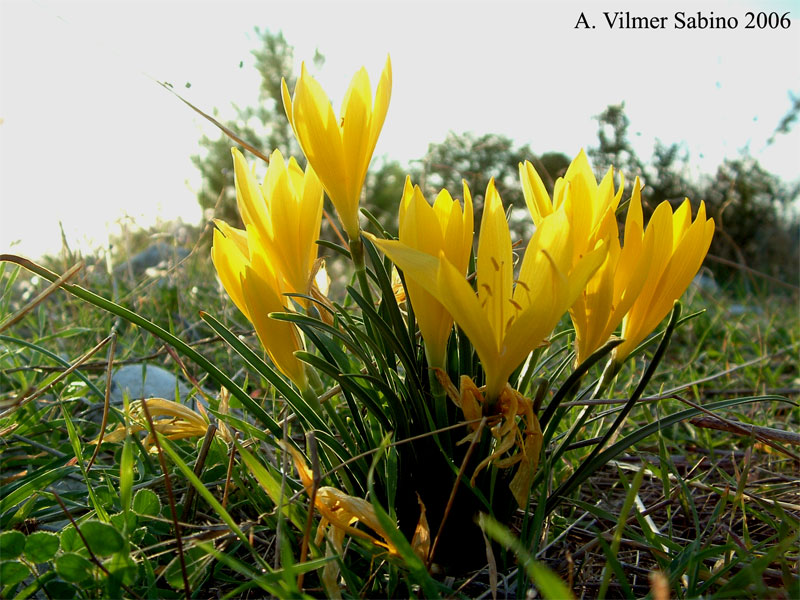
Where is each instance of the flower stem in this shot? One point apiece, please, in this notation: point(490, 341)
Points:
point(589, 464)
point(314, 381)
point(311, 399)
point(439, 399)
point(609, 373)
point(357, 254)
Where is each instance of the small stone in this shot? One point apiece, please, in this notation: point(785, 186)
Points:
point(158, 255)
point(744, 309)
point(145, 381)
point(706, 283)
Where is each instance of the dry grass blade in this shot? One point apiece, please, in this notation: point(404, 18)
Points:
point(335, 229)
point(106, 400)
point(186, 373)
point(492, 565)
point(757, 431)
point(743, 429)
point(746, 496)
point(749, 363)
point(752, 271)
point(171, 496)
point(229, 473)
point(221, 127)
point(670, 393)
point(38, 392)
point(69, 274)
point(188, 513)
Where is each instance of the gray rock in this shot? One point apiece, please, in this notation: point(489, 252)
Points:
point(706, 283)
point(158, 255)
point(145, 381)
point(744, 309)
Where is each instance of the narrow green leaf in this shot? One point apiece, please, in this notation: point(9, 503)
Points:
point(388, 300)
point(270, 485)
point(262, 368)
point(547, 582)
point(197, 563)
point(417, 569)
point(126, 475)
point(57, 359)
point(387, 335)
point(78, 450)
point(269, 581)
point(613, 563)
point(335, 247)
point(10, 496)
point(628, 441)
point(166, 446)
point(212, 370)
point(305, 322)
point(574, 379)
point(611, 557)
point(346, 382)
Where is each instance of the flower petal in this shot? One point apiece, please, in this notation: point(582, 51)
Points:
point(536, 196)
point(262, 294)
point(230, 256)
point(495, 265)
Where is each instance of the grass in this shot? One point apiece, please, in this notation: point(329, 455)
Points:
point(687, 512)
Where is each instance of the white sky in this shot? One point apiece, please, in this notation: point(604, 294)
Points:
point(87, 138)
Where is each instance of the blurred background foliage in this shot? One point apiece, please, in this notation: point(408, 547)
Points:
point(755, 211)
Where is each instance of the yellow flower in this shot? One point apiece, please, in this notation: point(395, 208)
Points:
point(340, 512)
point(445, 228)
point(612, 290)
point(397, 287)
point(679, 247)
point(275, 255)
point(256, 287)
point(286, 210)
point(505, 428)
point(589, 207)
point(504, 322)
point(172, 419)
point(339, 150)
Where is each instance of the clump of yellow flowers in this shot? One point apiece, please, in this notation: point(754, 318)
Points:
point(471, 313)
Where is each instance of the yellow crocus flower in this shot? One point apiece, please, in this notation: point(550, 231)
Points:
point(340, 149)
point(590, 207)
point(286, 210)
point(339, 513)
point(172, 419)
point(276, 253)
point(504, 321)
point(445, 228)
point(256, 287)
point(612, 290)
point(679, 247)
